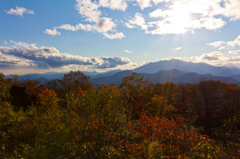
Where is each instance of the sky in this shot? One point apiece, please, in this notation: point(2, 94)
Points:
point(100, 35)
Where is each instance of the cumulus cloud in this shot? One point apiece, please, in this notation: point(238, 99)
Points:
point(234, 52)
point(19, 11)
point(50, 57)
point(10, 62)
point(144, 3)
point(20, 43)
point(226, 44)
point(231, 59)
point(209, 23)
point(178, 48)
point(172, 58)
point(111, 62)
point(137, 21)
point(216, 43)
point(148, 3)
point(88, 9)
point(114, 36)
point(177, 19)
point(232, 9)
point(102, 25)
point(91, 12)
point(52, 32)
point(181, 16)
point(128, 51)
point(114, 4)
point(213, 56)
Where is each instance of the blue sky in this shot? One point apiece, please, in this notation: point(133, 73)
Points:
point(62, 35)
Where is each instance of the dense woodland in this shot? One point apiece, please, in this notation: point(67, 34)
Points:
point(69, 118)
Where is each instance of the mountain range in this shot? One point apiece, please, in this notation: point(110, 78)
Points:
point(174, 76)
point(174, 70)
point(200, 68)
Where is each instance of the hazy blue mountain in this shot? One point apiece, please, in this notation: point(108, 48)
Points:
point(236, 77)
point(59, 75)
point(196, 78)
point(173, 75)
point(200, 68)
point(116, 78)
point(108, 73)
point(164, 76)
point(48, 75)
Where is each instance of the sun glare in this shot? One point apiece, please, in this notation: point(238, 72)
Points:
point(180, 18)
point(177, 19)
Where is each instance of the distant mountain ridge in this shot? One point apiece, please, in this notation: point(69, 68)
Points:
point(174, 70)
point(59, 75)
point(174, 76)
point(200, 68)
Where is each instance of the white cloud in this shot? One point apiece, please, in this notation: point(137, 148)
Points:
point(102, 25)
point(161, 13)
point(52, 32)
point(209, 23)
point(79, 26)
point(234, 52)
point(114, 36)
point(128, 51)
point(148, 3)
point(19, 11)
point(226, 45)
point(137, 21)
point(144, 3)
point(10, 62)
point(213, 58)
point(88, 9)
point(216, 43)
point(114, 4)
point(178, 48)
point(232, 9)
point(50, 57)
point(218, 58)
point(20, 43)
point(5, 42)
point(172, 58)
point(181, 16)
point(177, 18)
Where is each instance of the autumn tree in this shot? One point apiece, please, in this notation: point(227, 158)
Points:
point(69, 83)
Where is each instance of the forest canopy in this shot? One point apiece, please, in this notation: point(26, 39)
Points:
point(69, 118)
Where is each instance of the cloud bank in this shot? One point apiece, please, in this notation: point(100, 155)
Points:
point(29, 55)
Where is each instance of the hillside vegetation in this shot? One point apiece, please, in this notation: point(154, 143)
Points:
point(69, 118)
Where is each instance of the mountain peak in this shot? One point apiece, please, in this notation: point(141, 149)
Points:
point(200, 68)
